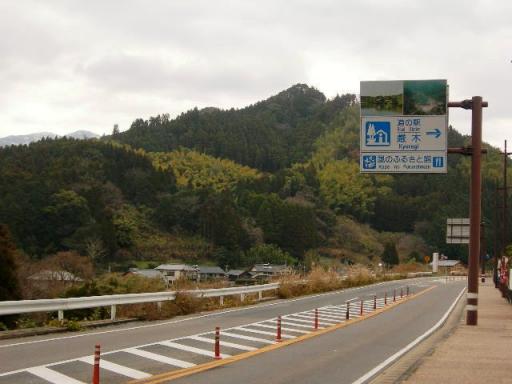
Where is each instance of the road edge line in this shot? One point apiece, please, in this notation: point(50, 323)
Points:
point(176, 374)
point(393, 358)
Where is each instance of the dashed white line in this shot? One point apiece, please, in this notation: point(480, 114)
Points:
point(249, 338)
point(187, 348)
point(159, 358)
point(223, 343)
point(120, 369)
point(52, 376)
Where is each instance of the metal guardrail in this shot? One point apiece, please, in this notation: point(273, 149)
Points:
point(61, 305)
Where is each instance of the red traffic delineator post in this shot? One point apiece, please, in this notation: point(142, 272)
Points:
point(316, 319)
point(96, 366)
point(374, 302)
point(361, 310)
point(385, 298)
point(407, 294)
point(401, 293)
point(278, 335)
point(347, 314)
point(394, 294)
point(217, 343)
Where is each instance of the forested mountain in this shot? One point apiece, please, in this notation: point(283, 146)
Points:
point(284, 185)
point(268, 135)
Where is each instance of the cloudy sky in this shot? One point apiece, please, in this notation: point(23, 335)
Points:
point(89, 64)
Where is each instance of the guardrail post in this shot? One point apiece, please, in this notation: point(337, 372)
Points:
point(316, 319)
point(159, 306)
point(242, 297)
point(113, 312)
point(60, 315)
point(361, 310)
point(278, 335)
point(217, 343)
point(96, 366)
point(260, 295)
point(221, 300)
point(347, 314)
point(374, 302)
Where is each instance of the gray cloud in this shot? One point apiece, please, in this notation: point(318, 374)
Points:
point(69, 65)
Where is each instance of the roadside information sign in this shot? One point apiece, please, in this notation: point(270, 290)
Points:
point(457, 231)
point(404, 126)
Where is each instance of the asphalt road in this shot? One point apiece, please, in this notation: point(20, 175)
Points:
point(136, 350)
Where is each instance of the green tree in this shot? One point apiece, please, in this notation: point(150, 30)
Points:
point(390, 255)
point(9, 286)
point(9, 283)
point(267, 253)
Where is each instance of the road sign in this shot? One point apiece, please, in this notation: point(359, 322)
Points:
point(404, 126)
point(427, 259)
point(457, 231)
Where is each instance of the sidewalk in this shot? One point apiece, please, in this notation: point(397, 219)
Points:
point(481, 354)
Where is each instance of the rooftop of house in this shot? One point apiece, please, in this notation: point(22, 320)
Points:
point(149, 273)
point(269, 268)
point(210, 270)
point(175, 267)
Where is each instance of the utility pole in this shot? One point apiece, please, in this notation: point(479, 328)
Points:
point(504, 228)
point(496, 233)
point(476, 104)
point(498, 251)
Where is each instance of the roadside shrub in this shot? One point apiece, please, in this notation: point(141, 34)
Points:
point(359, 276)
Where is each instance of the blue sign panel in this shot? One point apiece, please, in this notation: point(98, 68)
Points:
point(378, 133)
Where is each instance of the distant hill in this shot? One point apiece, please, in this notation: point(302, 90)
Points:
point(32, 137)
point(269, 135)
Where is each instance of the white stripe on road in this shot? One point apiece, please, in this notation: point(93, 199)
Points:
point(310, 326)
point(52, 376)
point(223, 343)
point(249, 338)
point(273, 326)
point(311, 317)
point(262, 332)
point(408, 347)
point(120, 369)
point(289, 317)
point(159, 358)
point(187, 348)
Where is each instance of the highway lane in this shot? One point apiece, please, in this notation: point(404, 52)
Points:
point(25, 353)
point(341, 356)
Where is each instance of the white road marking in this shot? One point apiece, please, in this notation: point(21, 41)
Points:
point(262, 332)
point(273, 326)
point(120, 369)
point(187, 348)
point(249, 338)
point(52, 376)
point(409, 346)
point(223, 343)
point(310, 326)
point(310, 322)
point(300, 316)
point(159, 358)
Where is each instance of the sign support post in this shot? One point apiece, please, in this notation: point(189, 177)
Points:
point(475, 104)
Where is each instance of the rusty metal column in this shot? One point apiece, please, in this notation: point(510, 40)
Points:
point(475, 211)
point(505, 196)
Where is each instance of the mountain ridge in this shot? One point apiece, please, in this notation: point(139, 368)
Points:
point(34, 137)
